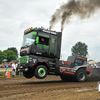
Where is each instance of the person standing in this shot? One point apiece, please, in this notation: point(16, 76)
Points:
point(16, 64)
point(13, 68)
point(17, 72)
point(6, 66)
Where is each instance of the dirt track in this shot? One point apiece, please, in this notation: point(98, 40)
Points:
point(50, 88)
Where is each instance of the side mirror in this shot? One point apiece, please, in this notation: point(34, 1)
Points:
point(37, 40)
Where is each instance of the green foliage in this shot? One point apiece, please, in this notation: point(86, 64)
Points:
point(9, 54)
point(2, 56)
point(14, 49)
point(79, 49)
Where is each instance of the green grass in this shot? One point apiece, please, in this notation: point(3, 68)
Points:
point(11, 76)
point(18, 75)
point(3, 76)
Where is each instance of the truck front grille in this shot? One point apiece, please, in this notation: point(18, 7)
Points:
point(23, 59)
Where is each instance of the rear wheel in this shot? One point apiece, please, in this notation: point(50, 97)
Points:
point(41, 72)
point(81, 75)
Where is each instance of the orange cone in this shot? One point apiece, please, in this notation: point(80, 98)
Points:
point(8, 75)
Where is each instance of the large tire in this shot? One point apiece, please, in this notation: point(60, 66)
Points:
point(81, 75)
point(41, 72)
point(28, 74)
point(66, 78)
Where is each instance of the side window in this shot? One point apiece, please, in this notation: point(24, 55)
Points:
point(78, 61)
point(43, 40)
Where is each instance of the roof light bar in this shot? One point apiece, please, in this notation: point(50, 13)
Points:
point(27, 30)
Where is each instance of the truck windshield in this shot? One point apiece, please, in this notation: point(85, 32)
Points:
point(28, 39)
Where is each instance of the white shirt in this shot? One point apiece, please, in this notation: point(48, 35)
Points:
point(14, 66)
point(95, 65)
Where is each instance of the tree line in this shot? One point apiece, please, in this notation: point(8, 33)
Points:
point(9, 54)
point(79, 49)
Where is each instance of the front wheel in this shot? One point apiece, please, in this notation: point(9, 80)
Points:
point(66, 78)
point(28, 74)
point(81, 75)
point(41, 72)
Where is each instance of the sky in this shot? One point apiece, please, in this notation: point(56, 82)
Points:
point(18, 15)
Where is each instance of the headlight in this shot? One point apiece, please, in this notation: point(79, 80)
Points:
point(27, 59)
point(30, 60)
point(21, 66)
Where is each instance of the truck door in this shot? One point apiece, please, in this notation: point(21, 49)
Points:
point(43, 45)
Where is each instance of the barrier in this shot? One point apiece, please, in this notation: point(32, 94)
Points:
point(4, 69)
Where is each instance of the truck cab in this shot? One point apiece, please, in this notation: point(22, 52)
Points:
point(41, 42)
point(40, 52)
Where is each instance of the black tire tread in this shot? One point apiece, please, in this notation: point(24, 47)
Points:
point(77, 79)
point(36, 71)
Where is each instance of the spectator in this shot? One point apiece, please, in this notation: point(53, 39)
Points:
point(95, 66)
point(9, 66)
point(98, 65)
point(6, 65)
point(17, 72)
point(92, 66)
point(13, 68)
point(16, 64)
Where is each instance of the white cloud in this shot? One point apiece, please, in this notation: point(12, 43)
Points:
point(16, 16)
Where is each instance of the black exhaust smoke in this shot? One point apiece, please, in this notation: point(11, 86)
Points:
point(82, 8)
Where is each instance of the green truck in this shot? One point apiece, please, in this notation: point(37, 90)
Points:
point(40, 56)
